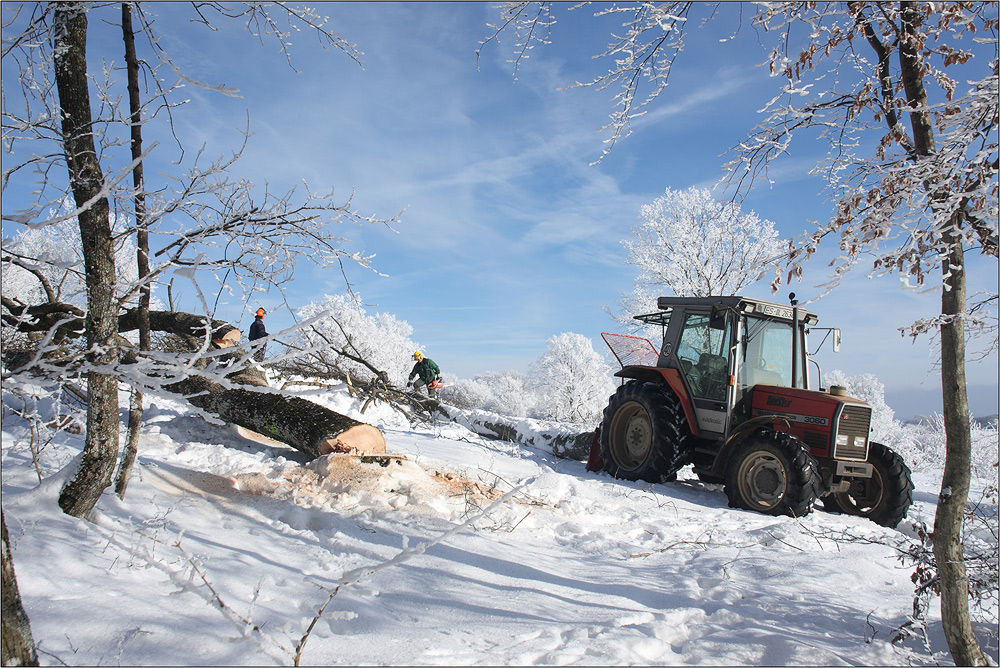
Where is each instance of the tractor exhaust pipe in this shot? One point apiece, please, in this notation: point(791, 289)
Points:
point(795, 339)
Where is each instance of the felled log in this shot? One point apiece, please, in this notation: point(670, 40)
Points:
point(68, 321)
point(309, 428)
point(305, 426)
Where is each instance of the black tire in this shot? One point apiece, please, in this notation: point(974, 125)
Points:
point(772, 473)
point(644, 433)
point(884, 498)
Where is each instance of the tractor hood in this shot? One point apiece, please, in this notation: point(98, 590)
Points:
point(794, 403)
point(819, 419)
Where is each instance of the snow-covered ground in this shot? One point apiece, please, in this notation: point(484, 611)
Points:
point(228, 551)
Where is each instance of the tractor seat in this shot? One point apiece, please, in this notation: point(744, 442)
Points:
point(712, 370)
point(757, 376)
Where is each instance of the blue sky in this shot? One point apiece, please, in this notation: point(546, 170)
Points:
point(510, 234)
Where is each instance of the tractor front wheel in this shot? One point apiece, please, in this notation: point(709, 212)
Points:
point(772, 473)
point(643, 434)
point(884, 498)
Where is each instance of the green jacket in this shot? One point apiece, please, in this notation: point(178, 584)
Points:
point(426, 369)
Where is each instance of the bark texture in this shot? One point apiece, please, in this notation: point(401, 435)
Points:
point(18, 645)
point(100, 453)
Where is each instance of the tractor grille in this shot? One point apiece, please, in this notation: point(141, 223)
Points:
point(850, 440)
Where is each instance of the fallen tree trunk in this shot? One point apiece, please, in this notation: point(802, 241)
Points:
point(68, 321)
point(305, 426)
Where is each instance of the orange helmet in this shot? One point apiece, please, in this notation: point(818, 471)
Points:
point(261, 312)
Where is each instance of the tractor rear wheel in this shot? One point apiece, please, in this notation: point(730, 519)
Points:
point(772, 473)
point(644, 432)
point(884, 498)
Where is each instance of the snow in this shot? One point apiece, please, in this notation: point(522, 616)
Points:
point(466, 552)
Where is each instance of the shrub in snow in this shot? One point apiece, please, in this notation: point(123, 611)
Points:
point(467, 393)
point(510, 393)
point(381, 339)
point(505, 393)
point(572, 380)
point(926, 445)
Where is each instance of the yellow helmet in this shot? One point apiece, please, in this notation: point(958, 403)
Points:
point(418, 355)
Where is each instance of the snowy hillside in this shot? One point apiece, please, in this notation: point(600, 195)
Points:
point(229, 551)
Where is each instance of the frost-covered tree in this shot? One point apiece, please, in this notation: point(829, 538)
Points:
point(342, 338)
point(572, 380)
point(695, 245)
point(691, 245)
point(467, 393)
point(50, 258)
point(906, 95)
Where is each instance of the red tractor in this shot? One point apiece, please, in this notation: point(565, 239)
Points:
point(728, 392)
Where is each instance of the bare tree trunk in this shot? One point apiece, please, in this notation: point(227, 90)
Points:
point(950, 514)
point(142, 248)
point(100, 453)
point(949, 554)
point(18, 647)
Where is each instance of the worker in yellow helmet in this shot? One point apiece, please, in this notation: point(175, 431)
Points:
point(427, 373)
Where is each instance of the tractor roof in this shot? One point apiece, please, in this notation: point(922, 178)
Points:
point(740, 304)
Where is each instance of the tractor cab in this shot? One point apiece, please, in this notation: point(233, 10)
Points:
point(725, 346)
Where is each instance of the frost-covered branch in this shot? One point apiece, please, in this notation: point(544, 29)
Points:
point(531, 22)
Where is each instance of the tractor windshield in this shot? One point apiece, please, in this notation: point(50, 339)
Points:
point(765, 353)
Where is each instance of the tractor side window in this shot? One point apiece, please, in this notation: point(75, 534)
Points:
point(704, 357)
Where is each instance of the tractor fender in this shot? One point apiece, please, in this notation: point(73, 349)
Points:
point(672, 378)
point(742, 432)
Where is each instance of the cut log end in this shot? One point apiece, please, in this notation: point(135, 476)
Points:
point(359, 439)
point(227, 340)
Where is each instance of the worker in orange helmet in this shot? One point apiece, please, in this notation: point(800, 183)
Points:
point(257, 331)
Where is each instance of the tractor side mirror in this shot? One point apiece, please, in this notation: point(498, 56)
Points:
point(836, 340)
point(717, 320)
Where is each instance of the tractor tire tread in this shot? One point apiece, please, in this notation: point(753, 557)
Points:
point(803, 475)
point(899, 495)
point(668, 452)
